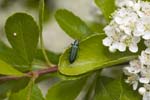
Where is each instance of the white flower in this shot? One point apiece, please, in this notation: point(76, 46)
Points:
point(145, 75)
point(132, 72)
point(131, 42)
point(145, 57)
point(147, 87)
point(147, 43)
point(146, 96)
point(121, 42)
point(113, 37)
point(144, 80)
point(137, 6)
point(145, 8)
point(142, 28)
point(135, 85)
point(142, 90)
point(134, 68)
point(139, 28)
point(122, 3)
point(133, 80)
point(112, 29)
point(126, 19)
point(130, 23)
point(116, 39)
point(136, 73)
point(107, 41)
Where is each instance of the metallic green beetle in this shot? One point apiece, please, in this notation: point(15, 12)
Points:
point(74, 51)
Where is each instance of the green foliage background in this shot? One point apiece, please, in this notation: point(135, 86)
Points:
point(81, 79)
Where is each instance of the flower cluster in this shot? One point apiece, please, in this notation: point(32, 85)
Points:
point(138, 71)
point(130, 24)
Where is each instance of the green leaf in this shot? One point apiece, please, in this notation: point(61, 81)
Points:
point(23, 34)
point(72, 24)
point(146, 0)
point(6, 69)
point(2, 97)
point(61, 76)
point(31, 92)
point(46, 77)
point(67, 77)
point(51, 56)
point(8, 55)
point(41, 18)
point(92, 55)
point(41, 14)
point(88, 90)
point(110, 89)
point(97, 27)
point(34, 5)
point(12, 85)
point(107, 7)
point(66, 90)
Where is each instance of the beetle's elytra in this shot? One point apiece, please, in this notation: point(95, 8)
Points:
point(74, 51)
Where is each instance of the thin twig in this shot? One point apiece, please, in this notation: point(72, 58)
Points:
point(30, 74)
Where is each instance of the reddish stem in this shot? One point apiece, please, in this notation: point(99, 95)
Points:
point(31, 74)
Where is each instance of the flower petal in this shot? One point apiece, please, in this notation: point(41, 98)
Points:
point(142, 90)
point(144, 80)
point(121, 47)
point(107, 41)
point(133, 48)
point(135, 85)
point(147, 43)
point(146, 96)
point(146, 36)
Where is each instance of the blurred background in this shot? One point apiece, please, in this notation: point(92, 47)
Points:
point(54, 38)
